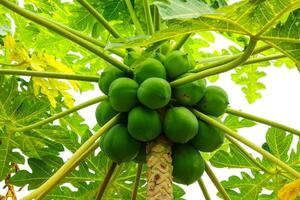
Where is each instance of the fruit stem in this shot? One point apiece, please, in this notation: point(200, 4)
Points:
point(60, 115)
point(248, 155)
point(56, 75)
point(217, 70)
point(216, 182)
point(134, 18)
point(148, 17)
point(90, 39)
point(203, 189)
point(157, 19)
point(71, 163)
point(106, 180)
point(226, 59)
point(137, 181)
point(58, 29)
point(262, 120)
point(248, 143)
point(181, 42)
point(100, 18)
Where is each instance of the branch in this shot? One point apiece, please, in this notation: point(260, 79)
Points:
point(56, 75)
point(72, 162)
point(225, 59)
point(216, 182)
point(248, 155)
point(203, 189)
point(100, 18)
point(137, 181)
point(248, 143)
point(12, 65)
point(217, 70)
point(134, 18)
point(262, 120)
point(157, 19)
point(60, 115)
point(263, 59)
point(58, 29)
point(106, 181)
point(181, 42)
point(148, 17)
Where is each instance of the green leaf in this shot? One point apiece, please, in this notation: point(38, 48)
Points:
point(233, 158)
point(249, 77)
point(249, 186)
point(178, 9)
point(234, 122)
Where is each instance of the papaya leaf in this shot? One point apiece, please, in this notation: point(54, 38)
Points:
point(235, 122)
point(233, 158)
point(250, 186)
point(182, 9)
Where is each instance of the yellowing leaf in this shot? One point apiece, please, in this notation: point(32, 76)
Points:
point(290, 191)
point(9, 42)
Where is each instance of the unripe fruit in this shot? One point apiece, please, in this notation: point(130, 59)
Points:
point(188, 165)
point(144, 124)
point(108, 75)
point(214, 101)
point(149, 68)
point(208, 138)
point(190, 93)
point(119, 146)
point(131, 57)
point(154, 93)
point(176, 63)
point(104, 112)
point(141, 156)
point(123, 94)
point(180, 124)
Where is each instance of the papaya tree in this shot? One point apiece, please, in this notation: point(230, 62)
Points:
point(162, 120)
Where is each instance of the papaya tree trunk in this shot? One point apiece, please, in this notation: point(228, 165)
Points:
point(159, 174)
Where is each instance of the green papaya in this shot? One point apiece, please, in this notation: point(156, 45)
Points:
point(131, 57)
point(154, 93)
point(165, 48)
point(180, 124)
point(108, 75)
point(104, 112)
point(176, 64)
point(159, 56)
point(144, 124)
point(214, 101)
point(149, 68)
point(123, 94)
point(208, 138)
point(190, 93)
point(188, 164)
point(119, 146)
point(141, 156)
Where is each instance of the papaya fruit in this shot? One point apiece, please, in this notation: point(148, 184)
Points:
point(141, 156)
point(188, 164)
point(180, 124)
point(104, 112)
point(176, 64)
point(165, 48)
point(144, 124)
point(159, 56)
point(149, 68)
point(131, 57)
point(208, 138)
point(154, 93)
point(123, 94)
point(214, 102)
point(119, 146)
point(108, 75)
point(190, 93)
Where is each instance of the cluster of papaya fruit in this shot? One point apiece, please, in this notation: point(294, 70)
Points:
point(151, 107)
